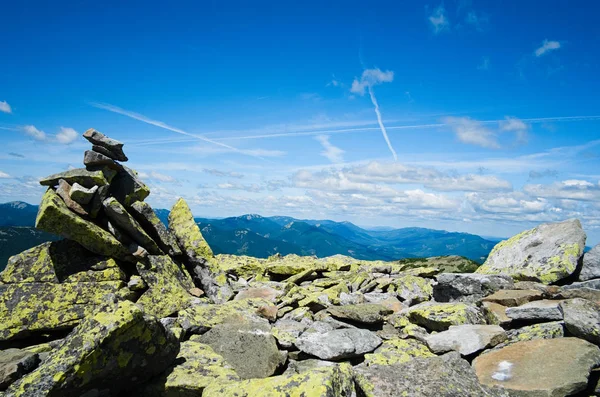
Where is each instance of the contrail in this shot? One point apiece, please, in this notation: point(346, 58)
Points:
point(160, 124)
point(381, 126)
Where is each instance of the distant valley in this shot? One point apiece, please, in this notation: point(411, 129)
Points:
point(261, 237)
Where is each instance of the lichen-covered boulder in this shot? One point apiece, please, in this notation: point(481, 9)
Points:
point(324, 381)
point(147, 218)
point(169, 286)
point(81, 176)
point(413, 289)
point(466, 339)
point(542, 310)
point(440, 316)
point(111, 351)
point(128, 188)
point(582, 319)
point(101, 141)
point(546, 253)
point(339, 343)
point(397, 351)
point(468, 287)
point(554, 329)
point(54, 217)
point(197, 365)
point(34, 308)
point(542, 367)
point(591, 264)
point(368, 313)
point(444, 376)
point(248, 346)
point(63, 261)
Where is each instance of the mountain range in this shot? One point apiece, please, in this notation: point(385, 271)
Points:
point(259, 236)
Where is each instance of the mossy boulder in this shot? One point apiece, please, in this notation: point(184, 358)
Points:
point(128, 188)
point(546, 253)
point(148, 219)
point(330, 381)
point(54, 217)
point(81, 176)
point(188, 234)
point(197, 365)
point(111, 351)
point(397, 351)
point(34, 308)
point(369, 313)
point(440, 316)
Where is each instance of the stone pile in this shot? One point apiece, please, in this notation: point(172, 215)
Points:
point(125, 306)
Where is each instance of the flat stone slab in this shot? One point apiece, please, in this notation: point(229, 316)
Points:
point(80, 175)
point(440, 316)
point(543, 367)
point(369, 313)
point(466, 339)
point(513, 297)
point(546, 253)
point(112, 146)
point(338, 344)
point(455, 286)
point(544, 310)
point(582, 319)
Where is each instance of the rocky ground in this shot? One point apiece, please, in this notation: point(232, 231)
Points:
point(124, 306)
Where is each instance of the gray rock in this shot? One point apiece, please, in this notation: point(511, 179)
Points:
point(547, 253)
point(466, 339)
point(98, 199)
point(94, 159)
point(468, 287)
point(544, 310)
point(128, 188)
point(368, 313)
point(511, 297)
point(495, 313)
point(286, 331)
point(582, 319)
point(440, 316)
point(81, 194)
point(584, 293)
point(112, 146)
point(80, 175)
point(375, 297)
point(445, 376)
point(351, 299)
point(145, 215)
point(248, 347)
point(591, 264)
point(15, 363)
point(124, 221)
point(339, 343)
point(554, 329)
point(592, 284)
point(542, 367)
point(298, 367)
point(136, 283)
point(64, 192)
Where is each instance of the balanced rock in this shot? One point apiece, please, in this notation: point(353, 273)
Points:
point(591, 264)
point(109, 147)
point(54, 217)
point(81, 176)
point(466, 339)
point(444, 376)
point(82, 195)
point(98, 199)
point(338, 344)
point(111, 351)
point(582, 319)
point(128, 188)
point(546, 253)
point(543, 367)
point(468, 287)
point(95, 159)
point(147, 218)
point(123, 219)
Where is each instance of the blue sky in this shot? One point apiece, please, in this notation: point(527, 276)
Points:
point(472, 116)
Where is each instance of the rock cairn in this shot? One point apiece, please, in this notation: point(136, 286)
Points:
point(125, 306)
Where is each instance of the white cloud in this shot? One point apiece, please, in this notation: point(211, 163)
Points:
point(438, 20)
point(4, 175)
point(370, 78)
point(472, 132)
point(331, 152)
point(5, 107)
point(223, 174)
point(33, 132)
point(573, 189)
point(513, 124)
point(161, 177)
point(546, 47)
point(66, 135)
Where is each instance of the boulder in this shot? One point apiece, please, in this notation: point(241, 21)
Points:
point(554, 329)
point(95, 159)
point(591, 284)
point(111, 351)
point(440, 316)
point(168, 287)
point(98, 199)
point(412, 289)
point(287, 331)
point(64, 191)
point(248, 346)
point(591, 264)
point(510, 297)
point(15, 363)
point(495, 313)
point(444, 376)
point(582, 319)
point(147, 218)
point(127, 188)
point(62, 261)
point(544, 310)
point(468, 287)
point(368, 313)
point(547, 253)
point(28, 309)
point(119, 216)
point(542, 367)
point(54, 217)
point(81, 176)
point(592, 295)
point(112, 147)
point(196, 366)
point(397, 351)
point(198, 319)
point(322, 381)
point(267, 293)
point(466, 339)
point(338, 344)
point(82, 195)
